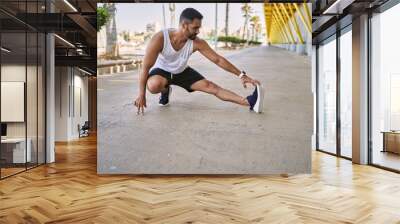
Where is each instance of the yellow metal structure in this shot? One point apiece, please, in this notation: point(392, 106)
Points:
point(305, 21)
point(281, 22)
point(284, 23)
point(293, 21)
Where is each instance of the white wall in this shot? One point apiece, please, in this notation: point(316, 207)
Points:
point(12, 100)
point(80, 83)
point(69, 82)
point(33, 126)
point(62, 81)
point(14, 73)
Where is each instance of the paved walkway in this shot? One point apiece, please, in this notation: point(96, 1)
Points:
point(198, 133)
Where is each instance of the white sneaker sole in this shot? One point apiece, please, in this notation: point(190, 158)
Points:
point(169, 94)
point(258, 107)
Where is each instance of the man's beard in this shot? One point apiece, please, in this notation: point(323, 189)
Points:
point(192, 37)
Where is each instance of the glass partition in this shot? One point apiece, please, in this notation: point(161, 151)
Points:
point(327, 96)
point(13, 95)
point(31, 100)
point(22, 88)
point(385, 89)
point(346, 93)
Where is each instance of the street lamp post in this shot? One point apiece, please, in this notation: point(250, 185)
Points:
point(216, 26)
point(163, 12)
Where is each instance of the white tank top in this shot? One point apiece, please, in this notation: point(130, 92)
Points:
point(171, 60)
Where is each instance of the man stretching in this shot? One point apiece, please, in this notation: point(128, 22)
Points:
point(165, 64)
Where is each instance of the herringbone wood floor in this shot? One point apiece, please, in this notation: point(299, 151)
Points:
point(70, 191)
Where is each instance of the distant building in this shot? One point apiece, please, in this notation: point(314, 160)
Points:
point(153, 27)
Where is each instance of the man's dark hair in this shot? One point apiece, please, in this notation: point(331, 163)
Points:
point(189, 14)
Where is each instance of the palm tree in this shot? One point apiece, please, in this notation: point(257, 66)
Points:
point(246, 10)
point(126, 36)
point(102, 17)
point(226, 22)
point(111, 31)
point(255, 21)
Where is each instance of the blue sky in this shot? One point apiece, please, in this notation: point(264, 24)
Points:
point(135, 16)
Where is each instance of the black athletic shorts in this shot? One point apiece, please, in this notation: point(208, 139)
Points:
point(184, 79)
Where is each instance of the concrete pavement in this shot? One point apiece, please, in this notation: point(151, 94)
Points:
point(199, 134)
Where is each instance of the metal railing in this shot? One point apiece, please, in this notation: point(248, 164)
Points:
point(117, 66)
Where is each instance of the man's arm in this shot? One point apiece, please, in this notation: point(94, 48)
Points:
point(208, 52)
point(154, 47)
point(203, 47)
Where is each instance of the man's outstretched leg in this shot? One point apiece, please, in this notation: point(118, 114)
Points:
point(224, 94)
point(254, 100)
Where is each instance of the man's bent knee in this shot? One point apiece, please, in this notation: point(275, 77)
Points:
point(155, 86)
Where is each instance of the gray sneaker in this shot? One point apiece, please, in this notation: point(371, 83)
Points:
point(256, 99)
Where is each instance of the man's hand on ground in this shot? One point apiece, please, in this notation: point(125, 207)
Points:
point(140, 103)
point(246, 79)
